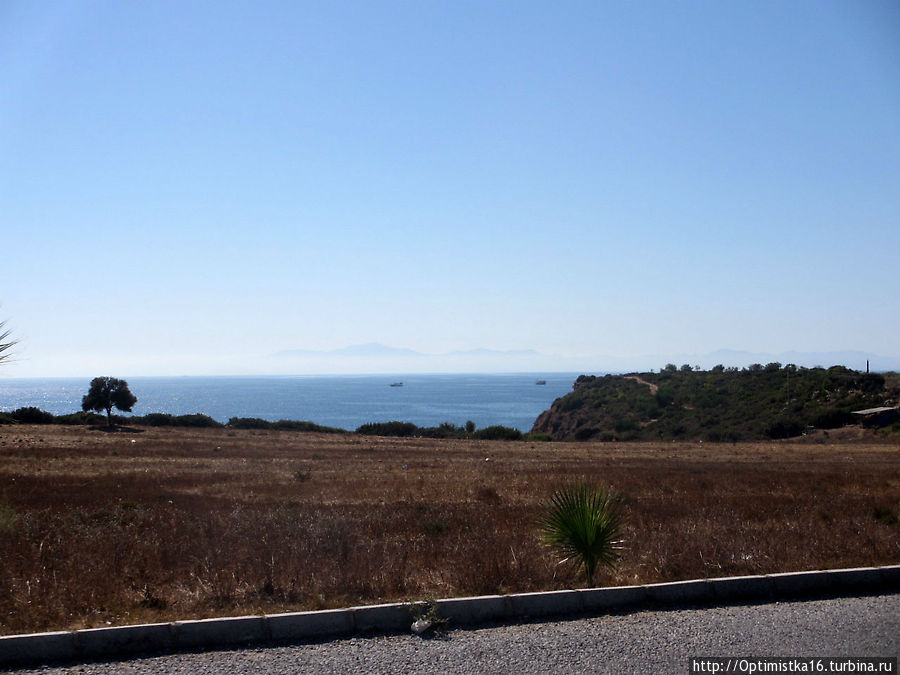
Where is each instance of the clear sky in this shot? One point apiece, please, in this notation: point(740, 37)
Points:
point(190, 187)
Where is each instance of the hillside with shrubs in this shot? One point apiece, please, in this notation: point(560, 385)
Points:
point(722, 404)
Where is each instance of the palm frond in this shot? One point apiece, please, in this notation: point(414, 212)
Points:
point(584, 525)
point(5, 343)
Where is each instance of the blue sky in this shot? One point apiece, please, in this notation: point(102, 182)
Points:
point(190, 187)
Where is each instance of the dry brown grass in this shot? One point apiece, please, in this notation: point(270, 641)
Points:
point(99, 528)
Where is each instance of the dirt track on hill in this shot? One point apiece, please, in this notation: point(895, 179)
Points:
point(653, 387)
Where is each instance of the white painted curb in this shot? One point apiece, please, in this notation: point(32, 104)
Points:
point(100, 643)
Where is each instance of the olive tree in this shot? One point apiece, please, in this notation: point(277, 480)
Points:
point(107, 393)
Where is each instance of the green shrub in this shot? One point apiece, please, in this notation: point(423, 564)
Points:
point(155, 420)
point(571, 402)
point(665, 395)
point(32, 415)
point(720, 435)
point(80, 417)
point(248, 423)
point(871, 383)
point(399, 429)
point(832, 418)
point(280, 425)
point(166, 420)
point(303, 425)
point(585, 526)
point(498, 433)
point(622, 426)
point(785, 428)
point(445, 430)
point(584, 433)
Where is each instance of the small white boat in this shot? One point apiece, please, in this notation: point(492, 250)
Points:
point(541, 382)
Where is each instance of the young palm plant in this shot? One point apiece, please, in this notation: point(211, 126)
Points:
point(584, 525)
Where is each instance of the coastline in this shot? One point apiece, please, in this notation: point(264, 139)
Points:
point(340, 401)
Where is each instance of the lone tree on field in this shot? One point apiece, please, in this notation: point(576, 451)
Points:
point(107, 393)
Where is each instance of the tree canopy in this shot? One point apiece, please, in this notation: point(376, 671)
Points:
point(107, 393)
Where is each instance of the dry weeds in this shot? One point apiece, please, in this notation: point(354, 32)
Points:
point(115, 528)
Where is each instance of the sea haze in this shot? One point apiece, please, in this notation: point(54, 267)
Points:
point(345, 401)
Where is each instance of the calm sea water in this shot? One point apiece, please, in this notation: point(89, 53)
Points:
point(513, 400)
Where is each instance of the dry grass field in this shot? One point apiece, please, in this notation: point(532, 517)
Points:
point(114, 528)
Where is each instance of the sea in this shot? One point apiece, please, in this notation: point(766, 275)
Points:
point(342, 401)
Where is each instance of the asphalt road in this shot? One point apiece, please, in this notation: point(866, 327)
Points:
point(640, 642)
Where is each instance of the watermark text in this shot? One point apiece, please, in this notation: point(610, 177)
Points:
point(793, 664)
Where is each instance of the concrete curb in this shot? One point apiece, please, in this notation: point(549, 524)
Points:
point(101, 643)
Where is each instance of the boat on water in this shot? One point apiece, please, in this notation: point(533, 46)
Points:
point(540, 382)
point(396, 384)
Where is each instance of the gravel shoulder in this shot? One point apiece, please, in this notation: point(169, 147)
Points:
point(639, 642)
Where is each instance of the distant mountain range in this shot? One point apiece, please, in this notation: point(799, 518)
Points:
point(370, 349)
point(375, 349)
point(377, 357)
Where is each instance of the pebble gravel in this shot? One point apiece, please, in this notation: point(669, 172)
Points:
point(639, 642)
